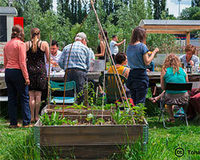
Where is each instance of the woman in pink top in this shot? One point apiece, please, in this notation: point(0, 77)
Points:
point(16, 76)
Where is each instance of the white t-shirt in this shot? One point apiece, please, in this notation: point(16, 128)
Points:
point(57, 57)
point(113, 47)
point(54, 58)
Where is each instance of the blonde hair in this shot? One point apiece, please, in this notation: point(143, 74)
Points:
point(35, 35)
point(172, 61)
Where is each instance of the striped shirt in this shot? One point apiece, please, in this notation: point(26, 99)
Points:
point(80, 57)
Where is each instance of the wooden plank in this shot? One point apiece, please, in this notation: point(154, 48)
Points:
point(89, 135)
point(165, 32)
point(188, 38)
point(81, 112)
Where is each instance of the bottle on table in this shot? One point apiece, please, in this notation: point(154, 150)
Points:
point(189, 68)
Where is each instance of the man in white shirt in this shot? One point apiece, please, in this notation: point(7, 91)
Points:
point(114, 45)
point(55, 56)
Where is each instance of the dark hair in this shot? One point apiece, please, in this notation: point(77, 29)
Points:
point(106, 34)
point(120, 58)
point(138, 34)
point(191, 48)
point(17, 32)
point(54, 42)
point(35, 35)
point(114, 36)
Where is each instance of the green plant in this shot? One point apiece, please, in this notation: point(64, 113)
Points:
point(127, 115)
point(54, 119)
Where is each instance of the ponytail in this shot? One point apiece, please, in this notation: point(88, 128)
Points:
point(35, 36)
point(34, 41)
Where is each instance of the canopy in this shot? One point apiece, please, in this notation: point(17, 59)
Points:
point(5, 11)
point(171, 27)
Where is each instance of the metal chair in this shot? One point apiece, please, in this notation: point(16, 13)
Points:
point(59, 86)
point(174, 87)
point(112, 91)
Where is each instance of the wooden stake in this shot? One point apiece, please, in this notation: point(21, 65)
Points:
point(112, 61)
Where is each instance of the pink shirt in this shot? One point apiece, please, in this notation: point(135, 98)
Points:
point(15, 56)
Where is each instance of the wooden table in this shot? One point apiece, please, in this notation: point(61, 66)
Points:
point(59, 76)
point(154, 77)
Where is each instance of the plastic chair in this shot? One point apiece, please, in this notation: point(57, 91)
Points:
point(112, 91)
point(175, 87)
point(59, 86)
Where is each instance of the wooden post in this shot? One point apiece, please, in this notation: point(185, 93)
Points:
point(188, 38)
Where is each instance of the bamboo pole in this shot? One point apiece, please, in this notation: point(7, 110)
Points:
point(49, 67)
point(110, 56)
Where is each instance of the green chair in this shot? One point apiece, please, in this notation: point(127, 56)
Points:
point(111, 89)
point(59, 86)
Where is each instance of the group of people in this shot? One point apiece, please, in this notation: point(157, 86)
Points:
point(26, 69)
point(25, 74)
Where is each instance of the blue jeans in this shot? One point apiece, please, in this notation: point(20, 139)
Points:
point(139, 95)
point(138, 82)
point(16, 86)
point(80, 77)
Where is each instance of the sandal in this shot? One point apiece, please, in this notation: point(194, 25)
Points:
point(13, 126)
point(153, 99)
point(171, 120)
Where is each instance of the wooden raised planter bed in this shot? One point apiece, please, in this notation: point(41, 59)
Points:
point(88, 141)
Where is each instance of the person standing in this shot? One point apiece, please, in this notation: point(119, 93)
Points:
point(114, 45)
point(36, 52)
point(101, 49)
point(16, 76)
point(138, 59)
point(79, 61)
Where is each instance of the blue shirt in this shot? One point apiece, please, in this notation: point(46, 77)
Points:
point(135, 55)
point(80, 56)
point(178, 77)
point(194, 58)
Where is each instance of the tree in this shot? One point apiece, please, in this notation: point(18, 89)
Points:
point(190, 13)
point(158, 7)
point(45, 5)
point(195, 3)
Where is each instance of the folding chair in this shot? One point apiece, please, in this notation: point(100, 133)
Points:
point(112, 91)
point(59, 86)
point(174, 87)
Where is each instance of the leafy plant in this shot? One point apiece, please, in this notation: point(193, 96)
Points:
point(54, 119)
point(127, 115)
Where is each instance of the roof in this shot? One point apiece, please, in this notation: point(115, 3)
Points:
point(8, 11)
point(170, 26)
point(170, 22)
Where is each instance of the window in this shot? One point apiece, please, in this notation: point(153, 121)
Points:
point(3, 29)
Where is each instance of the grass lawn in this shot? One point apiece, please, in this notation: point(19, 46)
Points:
point(18, 144)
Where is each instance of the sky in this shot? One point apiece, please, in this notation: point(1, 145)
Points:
point(172, 5)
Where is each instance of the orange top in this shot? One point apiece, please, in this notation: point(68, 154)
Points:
point(15, 56)
point(124, 71)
